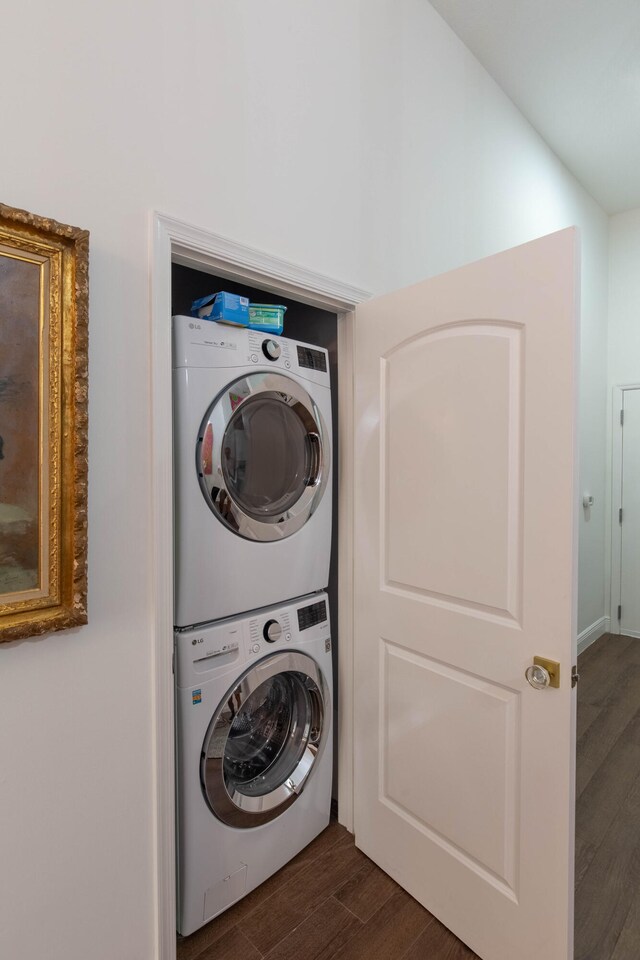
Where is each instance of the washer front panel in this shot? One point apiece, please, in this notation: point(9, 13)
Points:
point(262, 456)
point(264, 739)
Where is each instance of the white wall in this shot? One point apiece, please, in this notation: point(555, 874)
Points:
point(358, 138)
point(624, 299)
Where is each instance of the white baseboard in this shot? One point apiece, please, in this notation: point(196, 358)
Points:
point(631, 633)
point(593, 633)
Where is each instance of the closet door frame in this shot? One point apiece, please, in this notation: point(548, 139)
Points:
point(616, 500)
point(173, 241)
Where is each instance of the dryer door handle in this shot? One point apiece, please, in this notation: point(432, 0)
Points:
point(315, 459)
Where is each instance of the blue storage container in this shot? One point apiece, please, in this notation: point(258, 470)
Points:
point(222, 307)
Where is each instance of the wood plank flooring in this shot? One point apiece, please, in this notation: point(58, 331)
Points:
point(608, 802)
point(332, 903)
point(329, 903)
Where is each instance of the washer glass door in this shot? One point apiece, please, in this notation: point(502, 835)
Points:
point(264, 739)
point(262, 456)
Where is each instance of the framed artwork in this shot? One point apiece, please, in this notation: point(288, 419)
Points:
point(44, 299)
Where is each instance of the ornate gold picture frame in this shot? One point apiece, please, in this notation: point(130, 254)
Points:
point(44, 299)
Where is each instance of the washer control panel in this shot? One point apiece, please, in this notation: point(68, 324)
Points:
point(268, 630)
point(210, 650)
point(287, 626)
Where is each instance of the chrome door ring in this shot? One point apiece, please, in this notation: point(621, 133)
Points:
point(232, 806)
point(211, 467)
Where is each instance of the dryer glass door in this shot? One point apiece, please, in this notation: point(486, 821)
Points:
point(264, 740)
point(263, 456)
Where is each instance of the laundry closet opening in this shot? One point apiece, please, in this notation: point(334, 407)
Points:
point(250, 459)
point(309, 325)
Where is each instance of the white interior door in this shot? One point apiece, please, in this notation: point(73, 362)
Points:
point(630, 527)
point(465, 529)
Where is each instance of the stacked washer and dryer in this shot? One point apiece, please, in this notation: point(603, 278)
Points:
point(253, 515)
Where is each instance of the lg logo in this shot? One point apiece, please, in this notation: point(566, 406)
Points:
point(197, 640)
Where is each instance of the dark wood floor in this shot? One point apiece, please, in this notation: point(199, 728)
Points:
point(332, 903)
point(608, 802)
point(329, 902)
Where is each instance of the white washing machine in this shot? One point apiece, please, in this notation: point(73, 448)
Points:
point(252, 442)
point(254, 750)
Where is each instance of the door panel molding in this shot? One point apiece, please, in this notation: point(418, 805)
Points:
point(427, 352)
point(495, 858)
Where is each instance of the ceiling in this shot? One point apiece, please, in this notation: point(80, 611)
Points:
point(572, 67)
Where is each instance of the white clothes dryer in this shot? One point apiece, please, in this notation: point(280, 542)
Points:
point(252, 442)
point(254, 750)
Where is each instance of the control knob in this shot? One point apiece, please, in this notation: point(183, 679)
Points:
point(272, 631)
point(271, 349)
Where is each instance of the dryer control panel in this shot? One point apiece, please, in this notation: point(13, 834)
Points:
point(205, 343)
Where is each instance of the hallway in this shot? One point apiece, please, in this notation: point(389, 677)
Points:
point(608, 801)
